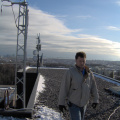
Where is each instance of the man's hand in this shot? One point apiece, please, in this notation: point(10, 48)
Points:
point(61, 107)
point(94, 105)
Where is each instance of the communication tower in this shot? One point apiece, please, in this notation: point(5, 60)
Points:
point(36, 56)
point(21, 53)
point(38, 47)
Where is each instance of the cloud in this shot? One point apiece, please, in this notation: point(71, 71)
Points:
point(113, 28)
point(118, 3)
point(56, 39)
point(47, 23)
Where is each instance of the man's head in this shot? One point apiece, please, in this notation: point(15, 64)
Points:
point(80, 58)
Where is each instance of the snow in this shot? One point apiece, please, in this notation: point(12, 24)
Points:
point(40, 87)
point(28, 67)
point(46, 113)
point(43, 112)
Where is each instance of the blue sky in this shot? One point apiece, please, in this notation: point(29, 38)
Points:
point(95, 17)
point(66, 27)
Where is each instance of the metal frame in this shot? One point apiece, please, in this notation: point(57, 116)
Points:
point(21, 53)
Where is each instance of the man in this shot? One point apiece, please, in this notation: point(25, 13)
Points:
point(77, 85)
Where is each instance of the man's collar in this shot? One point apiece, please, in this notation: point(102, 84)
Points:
point(86, 68)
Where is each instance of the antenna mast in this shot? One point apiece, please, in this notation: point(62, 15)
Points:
point(21, 51)
point(38, 47)
point(22, 30)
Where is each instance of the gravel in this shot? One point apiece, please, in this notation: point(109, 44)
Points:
point(107, 102)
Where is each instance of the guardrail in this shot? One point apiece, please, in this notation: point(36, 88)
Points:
point(107, 77)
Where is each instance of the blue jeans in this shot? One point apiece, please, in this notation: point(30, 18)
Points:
point(76, 113)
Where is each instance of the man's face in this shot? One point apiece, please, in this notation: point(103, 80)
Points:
point(80, 62)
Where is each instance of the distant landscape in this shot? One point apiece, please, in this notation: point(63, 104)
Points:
point(7, 67)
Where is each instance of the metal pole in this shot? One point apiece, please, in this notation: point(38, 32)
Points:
point(38, 47)
point(25, 53)
point(17, 55)
point(22, 45)
point(37, 62)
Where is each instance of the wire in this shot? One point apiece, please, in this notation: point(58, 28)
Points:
point(14, 16)
point(113, 112)
point(15, 19)
point(5, 6)
point(1, 9)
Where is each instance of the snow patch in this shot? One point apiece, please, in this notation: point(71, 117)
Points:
point(46, 113)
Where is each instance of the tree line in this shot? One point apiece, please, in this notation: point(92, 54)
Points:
point(7, 74)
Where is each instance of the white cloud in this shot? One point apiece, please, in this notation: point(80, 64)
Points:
point(100, 45)
point(55, 36)
point(113, 28)
point(47, 23)
point(118, 3)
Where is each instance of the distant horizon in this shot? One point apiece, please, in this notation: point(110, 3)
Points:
point(30, 57)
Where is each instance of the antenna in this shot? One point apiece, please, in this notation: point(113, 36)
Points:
point(21, 53)
point(38, 47)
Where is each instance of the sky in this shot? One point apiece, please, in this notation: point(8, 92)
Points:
point(65, 27)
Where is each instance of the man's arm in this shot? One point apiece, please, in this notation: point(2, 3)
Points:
point(64, 89)
point(94, 90)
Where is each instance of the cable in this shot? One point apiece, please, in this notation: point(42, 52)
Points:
point(5, 6)
point(1, 9)
point(14, 16)
point(113, 112)
point(15, 19)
